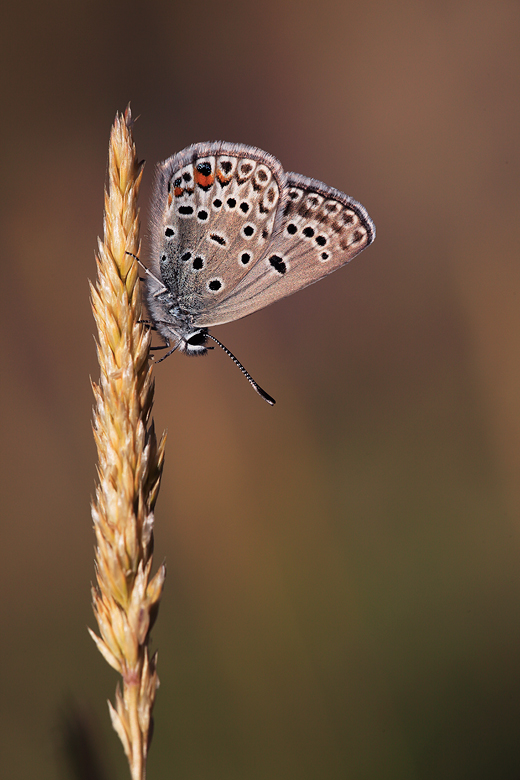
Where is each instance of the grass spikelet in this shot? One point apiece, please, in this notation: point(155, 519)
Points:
point(126, 598)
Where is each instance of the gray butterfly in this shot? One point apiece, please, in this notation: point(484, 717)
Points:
point(231, 232)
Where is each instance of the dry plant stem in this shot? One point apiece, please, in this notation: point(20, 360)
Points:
point(126, 598)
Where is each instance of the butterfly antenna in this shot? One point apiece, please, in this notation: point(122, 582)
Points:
point(247, 375)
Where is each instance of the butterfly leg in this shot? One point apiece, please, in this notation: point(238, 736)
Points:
point(167, 354)
point(149, 323)
point(162, 289)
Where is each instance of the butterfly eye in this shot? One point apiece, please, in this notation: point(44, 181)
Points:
point(197, 340)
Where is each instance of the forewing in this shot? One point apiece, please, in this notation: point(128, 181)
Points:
point(322, 229)
point(214, 212)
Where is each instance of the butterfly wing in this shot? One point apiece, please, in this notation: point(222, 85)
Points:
point(214, 211)
point(320, 230)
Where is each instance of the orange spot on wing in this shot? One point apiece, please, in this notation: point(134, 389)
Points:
point(170, 198)
point(178, 192)
point(204, 181)
point(223, 179)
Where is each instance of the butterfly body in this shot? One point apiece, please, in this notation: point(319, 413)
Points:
point(231, 232)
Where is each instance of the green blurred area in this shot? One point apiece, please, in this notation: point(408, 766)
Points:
point(343, 590)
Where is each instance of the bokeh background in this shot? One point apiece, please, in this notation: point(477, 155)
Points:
point(343, 590)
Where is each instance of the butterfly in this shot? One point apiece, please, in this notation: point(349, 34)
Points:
point(231, 232)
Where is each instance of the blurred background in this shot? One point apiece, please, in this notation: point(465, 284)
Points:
point(343, 589)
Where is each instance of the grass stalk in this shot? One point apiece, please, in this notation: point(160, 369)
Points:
point(126, 597)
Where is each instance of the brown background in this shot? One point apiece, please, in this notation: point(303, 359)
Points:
point(343, 590)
